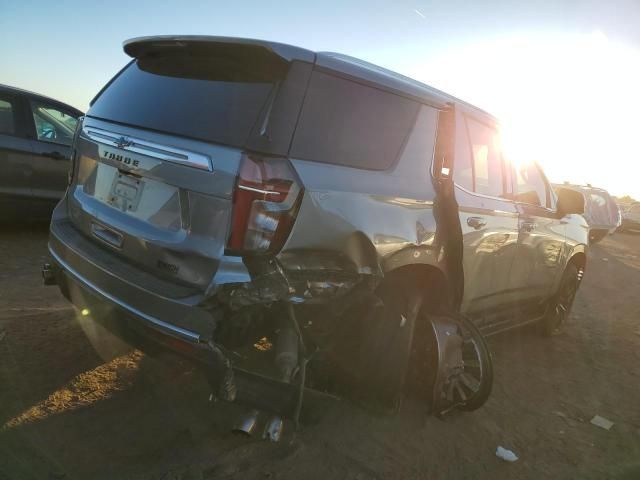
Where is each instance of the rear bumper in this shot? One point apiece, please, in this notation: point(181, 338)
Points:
point(83, 293)
point(81, 267)
point(78, 280)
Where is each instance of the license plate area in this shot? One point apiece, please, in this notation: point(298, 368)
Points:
point(126, 191)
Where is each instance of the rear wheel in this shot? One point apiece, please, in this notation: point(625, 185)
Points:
point(560, 306)
point(471, 388)
point(443, 376)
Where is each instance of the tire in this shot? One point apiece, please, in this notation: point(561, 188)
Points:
point(385, 345)
point(596, 235)
point(559, 308)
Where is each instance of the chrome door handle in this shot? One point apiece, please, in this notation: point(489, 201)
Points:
point(476, 222)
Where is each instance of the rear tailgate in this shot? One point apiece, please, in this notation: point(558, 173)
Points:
point(160, 149)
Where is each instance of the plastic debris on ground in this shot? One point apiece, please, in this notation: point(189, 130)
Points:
point(602, 422)
point(506, 455)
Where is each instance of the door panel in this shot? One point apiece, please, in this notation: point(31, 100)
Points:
point(539, 260)
point(51, 163)
point(53, 128)
point(489, 223)
point(541, 237)
point(15, 157)
point(490, 239)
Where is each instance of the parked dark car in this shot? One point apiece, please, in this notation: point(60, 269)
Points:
point(296, 219)
point(600, 210)
point(36, 133)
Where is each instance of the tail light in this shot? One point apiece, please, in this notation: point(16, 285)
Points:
point(265, 203)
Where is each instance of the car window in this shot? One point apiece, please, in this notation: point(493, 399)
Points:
point(346, 123)
point(531, 186)
point(211, 95)
point(7, 124)
point(53, 124)
point(484, 172)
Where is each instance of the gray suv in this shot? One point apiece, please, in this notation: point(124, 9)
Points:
point(307, 222)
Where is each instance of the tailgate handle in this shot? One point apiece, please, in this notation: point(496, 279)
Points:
point(107, 235)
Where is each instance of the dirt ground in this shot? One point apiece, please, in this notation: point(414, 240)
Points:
point(77, 404)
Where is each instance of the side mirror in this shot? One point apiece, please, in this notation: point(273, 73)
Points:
point(569, 201)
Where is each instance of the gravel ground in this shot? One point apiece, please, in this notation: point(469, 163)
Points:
point(76, 403)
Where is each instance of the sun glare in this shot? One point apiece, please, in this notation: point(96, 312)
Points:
point(566, 101)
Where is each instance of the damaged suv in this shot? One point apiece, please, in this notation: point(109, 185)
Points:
point(308, 222)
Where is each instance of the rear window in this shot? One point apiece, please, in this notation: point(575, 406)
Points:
point(209, 94)
point(346, 123)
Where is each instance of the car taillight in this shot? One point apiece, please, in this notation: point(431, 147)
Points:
point(265, 203)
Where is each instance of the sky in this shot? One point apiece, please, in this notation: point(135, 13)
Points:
point(563, 76)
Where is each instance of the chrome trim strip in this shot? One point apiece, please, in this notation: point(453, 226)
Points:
point(155, 323)
point(150, 149)
point(258, 190)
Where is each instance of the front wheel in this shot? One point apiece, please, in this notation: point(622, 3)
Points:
point(560, 305)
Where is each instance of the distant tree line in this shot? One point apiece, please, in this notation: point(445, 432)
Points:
point(625, 199)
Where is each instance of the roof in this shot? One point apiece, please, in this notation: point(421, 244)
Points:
point(354, 68)
point(22, 91)
point(575, 186)
point(375, 74)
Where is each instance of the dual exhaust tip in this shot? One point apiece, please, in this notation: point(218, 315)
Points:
point(253, 423)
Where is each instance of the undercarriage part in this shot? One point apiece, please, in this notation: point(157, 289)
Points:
point(48, 275)
point(464, 375)
point(220, 374)
point(286, 352)
point(302, 365)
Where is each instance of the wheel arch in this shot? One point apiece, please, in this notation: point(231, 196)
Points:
point(431, 278)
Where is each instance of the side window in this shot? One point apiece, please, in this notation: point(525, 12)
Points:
point(346, 123)
point(531, 186)
point(484, 172)
point(52, 124)
point(463, 172)
point(7, 122)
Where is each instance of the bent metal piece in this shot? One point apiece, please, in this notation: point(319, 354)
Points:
point(464, 372)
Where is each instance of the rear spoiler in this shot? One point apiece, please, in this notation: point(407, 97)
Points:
point(141, 46)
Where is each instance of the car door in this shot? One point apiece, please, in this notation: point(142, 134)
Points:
point(541, 238)
point(488, 218)
point(15, 157)
point(52, 128)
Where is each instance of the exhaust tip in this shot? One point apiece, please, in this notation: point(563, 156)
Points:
point(247, 423)
point(273, 429)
